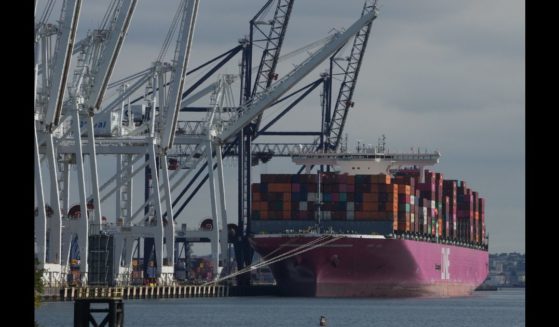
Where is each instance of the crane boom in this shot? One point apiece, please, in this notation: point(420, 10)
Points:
point(107, 60)
point(270, 56)
point(274, 41)
point(184, 43)
point(256, 105)
point(63, 55)
point(343, 102)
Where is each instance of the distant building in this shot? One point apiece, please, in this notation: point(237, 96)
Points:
point(506, 270)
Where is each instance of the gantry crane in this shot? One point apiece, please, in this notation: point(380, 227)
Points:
point(155, 137)
point(48, 102)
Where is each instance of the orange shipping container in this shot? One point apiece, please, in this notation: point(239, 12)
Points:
point(404, 189)
point(279, 187)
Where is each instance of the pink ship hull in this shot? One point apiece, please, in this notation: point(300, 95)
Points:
point(372, 267)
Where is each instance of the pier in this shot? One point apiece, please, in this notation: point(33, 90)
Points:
point(135, 292)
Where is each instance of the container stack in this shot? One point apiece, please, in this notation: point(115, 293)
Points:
point(344, 197)
point(137, 276)
point(202, 269)
point(450, 190)
point(151, 271)
point(404, 208)
point(447, 218)
point(482, 218)
point(437, 207)
point(418, 212)
point(428, 193)
point(406, 203)
point(465, 212)
point(474, 229)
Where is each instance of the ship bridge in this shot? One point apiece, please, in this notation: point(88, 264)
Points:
point(367, 161)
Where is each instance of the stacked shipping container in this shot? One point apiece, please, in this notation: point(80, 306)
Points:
point(344, 197)
point(437, 207)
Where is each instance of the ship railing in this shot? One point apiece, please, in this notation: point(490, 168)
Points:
point(433, 239)
point(337, 156)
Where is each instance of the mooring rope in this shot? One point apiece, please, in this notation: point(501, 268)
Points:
point(321, 241)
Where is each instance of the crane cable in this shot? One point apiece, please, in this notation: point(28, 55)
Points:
point(106, 18)
point(321, 241)
point(315, 243)
point(277, 249)
point(46, 12)
point(171, 32)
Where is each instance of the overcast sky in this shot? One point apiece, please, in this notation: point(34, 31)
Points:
point(440, 74)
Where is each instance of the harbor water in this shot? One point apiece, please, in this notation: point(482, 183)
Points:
point(503, 308)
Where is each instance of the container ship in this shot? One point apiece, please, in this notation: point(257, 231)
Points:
point(378, 225)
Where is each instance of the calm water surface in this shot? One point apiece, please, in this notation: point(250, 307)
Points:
point(504, 308)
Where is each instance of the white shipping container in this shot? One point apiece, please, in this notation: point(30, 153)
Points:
point(106, 124)
point(303, 206)
point(327, 215)
point(350, 215)
point(350, 206)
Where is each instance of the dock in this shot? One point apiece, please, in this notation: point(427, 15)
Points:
point(135, 292)
point(156, 292)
